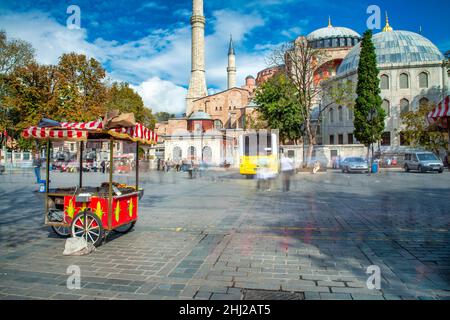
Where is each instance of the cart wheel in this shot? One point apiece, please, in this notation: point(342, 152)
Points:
point(92, 230)
point(125, 228)
point(62, 231)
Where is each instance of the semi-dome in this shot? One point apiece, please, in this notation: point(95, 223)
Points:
point(332, 32)
point(200, 115)
point(395, 48)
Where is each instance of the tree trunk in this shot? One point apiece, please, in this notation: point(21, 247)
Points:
point(311, 143)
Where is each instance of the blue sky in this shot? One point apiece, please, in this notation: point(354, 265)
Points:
point(147, 43)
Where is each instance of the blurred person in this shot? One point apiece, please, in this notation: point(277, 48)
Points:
point(287, 170)
point(37, 163)
point(316, 167)
point(264, 176)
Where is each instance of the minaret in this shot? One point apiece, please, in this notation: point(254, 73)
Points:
point(197, 85)
point(231, 70)
point(387, 28)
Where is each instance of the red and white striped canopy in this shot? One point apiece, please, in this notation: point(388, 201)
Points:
point(441, 112)
point(77, 131)
point(57, 134)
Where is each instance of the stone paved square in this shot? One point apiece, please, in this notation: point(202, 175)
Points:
point(217, 237)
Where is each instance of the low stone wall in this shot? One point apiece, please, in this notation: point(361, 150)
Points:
point(324, 153)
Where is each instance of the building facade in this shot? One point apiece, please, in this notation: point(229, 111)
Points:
point(411, 74)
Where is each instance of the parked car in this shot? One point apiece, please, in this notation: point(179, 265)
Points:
point(423, 162)
point(2, 168)
point(354, 164)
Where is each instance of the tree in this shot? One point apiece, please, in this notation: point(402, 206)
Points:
point(302, 62)
point(163, 116)
point(82, 94)
point(369, 115)
point(125, 99)
point(419, 133)
point(31, 96)
point(278, 107)
point(254, 120)
point(13, 55)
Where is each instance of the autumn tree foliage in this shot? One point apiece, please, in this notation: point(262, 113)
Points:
point(418, 132)
point(75, 89)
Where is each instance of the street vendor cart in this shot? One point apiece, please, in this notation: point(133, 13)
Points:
point(92, 212)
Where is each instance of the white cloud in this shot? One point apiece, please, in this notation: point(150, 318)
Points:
point(162, 95)
point(157, 65)
point(49, 38)
point(152, 5)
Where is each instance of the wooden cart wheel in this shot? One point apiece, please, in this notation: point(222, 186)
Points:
point(125, 228)
point(62, 231)
point(91, 229)
point(58, 216)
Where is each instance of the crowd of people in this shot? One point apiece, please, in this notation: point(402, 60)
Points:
point(265, 175)
point(178, 166)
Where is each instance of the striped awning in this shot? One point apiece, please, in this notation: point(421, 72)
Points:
point(440, 113)
point(79, 131)
point(91, 125)
point(55, 134)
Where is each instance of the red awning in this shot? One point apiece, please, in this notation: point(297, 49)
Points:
point(79, 131)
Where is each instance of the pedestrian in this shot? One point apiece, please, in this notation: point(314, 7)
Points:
point(287, 170)
point(37, 163)
point(264, 176)
point(316, 167)
point(103, 166)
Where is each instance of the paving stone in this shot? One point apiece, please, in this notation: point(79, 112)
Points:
point(235, 238)
point(335, 296)
point(204, 295)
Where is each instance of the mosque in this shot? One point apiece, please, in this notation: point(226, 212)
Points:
point(411, 73)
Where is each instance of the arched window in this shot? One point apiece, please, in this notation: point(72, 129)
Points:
point(404, 81)
point(331, 115)
point(404, 106)
point(177, 154)
point(218, 124)
point(384, 83)
point(207, 154)
point(423, 80)
point(386, 107)
point(340, 114)
point(191, 153)
point(423, 102)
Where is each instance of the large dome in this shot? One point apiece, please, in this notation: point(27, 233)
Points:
point(332, 32)
point(395, 48)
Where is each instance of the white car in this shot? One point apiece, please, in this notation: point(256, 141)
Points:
point(354, 164)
